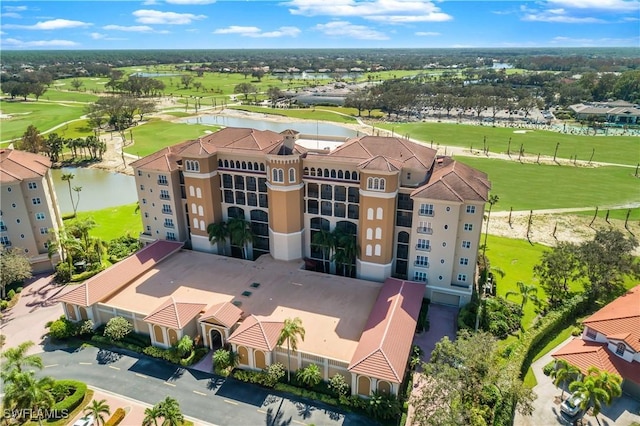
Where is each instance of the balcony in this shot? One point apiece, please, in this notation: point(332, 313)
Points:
point(169, 225)
point(421, 264)
point(423, 248)
point(5, 243)
point(163, 182)
point(425, 213)
point(166, 211)
point(164, 197)
point(424, 230)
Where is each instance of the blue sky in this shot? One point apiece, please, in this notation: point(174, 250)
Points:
point(251, 24)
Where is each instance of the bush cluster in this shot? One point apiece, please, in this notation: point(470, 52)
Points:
point(547, 369)
point(170, 354)
point(116, 418)
point(117, 328)
point(63, 273)
point(71, 402)
point(121, 247)
point(62, 328)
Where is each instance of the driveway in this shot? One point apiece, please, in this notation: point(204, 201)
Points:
point(547, 410)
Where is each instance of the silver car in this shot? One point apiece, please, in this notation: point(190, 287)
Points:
point(571, 405)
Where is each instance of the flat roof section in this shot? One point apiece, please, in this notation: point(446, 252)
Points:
point(333, 309)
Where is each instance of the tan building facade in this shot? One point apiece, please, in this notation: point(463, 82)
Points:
point(395, 208)
point(29, 206)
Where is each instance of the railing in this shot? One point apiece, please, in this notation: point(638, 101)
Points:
point(163, 182)
point(5, 243)
point(166, 211)
point(423, 248)
point(421, 264)
point(165, 197)
point(169, 225)
point(424, 230)
point(425, 212)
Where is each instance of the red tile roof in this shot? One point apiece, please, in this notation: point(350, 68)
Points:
point(401, 150)
point(618, 318)
point(455, 181)
point(385, 343)
point(225, 313)
point(257, 333)
point(164, 160)
point(238, 138)
point(174, 314)
point(16, 166)
point(113, 279)
point(584, 354)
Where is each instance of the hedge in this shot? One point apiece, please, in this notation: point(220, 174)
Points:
point(72, 401)
point(105, 341)
point(116, 418)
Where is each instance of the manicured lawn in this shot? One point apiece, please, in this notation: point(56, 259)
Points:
point(115, 222)
point(620, 214)
point(532, 186)
point(43, 115)
point(156, 134)
point(306, 114)
point(611, 149)
point(67, 94)
point(529, 378)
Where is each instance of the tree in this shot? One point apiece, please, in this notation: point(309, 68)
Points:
point(186, 80)
point(606, 261)
point(258, 74)
point(151, 416)
point(557, 267)
point(98, 409)
point(327, 243)
point(245, 89)
point(240, 233)
point(219, 234)
point(564, 373)
point(14, 267)
point(184, 345)
point(31, 140)
point(493, 199)
point(26, 394)
point(274, 93)
point(526, 291)
point(117, 328)
point(291, 331)
point(169, 410)
point(310, 375)
point(76, 84)
point(68, 177)
point(53, 145)
point(611, 383)
point(77, 190)
point(16, 359)
point(592, 393)
point(38, 89)
point(346, 251)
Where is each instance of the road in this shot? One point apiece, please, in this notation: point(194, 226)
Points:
point(201, 395)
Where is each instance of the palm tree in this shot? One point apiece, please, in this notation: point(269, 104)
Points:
point(68, 177)
point(241, 234)
point(327, 243)
point(77, 189)
point(611, 383)
point(526, 291)
point(493, 199)
point(564, 373)
point(98, 409)
point(290, 332)
point(219, 234)
point(170, 411)
point(151, 416)
point(593, 395)
point(16, 359)
point(346, 252)
point(26, 394)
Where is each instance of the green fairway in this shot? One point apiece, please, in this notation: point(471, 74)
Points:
point(67, 95)
point(114, 222)
point(155, 135)
point(620, 214)
point(304, 114)
point(532, 186)
point(609, 149)
point(43, 115)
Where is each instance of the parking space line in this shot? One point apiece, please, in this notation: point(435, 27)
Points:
point(51, 365)
point(300, 423)
point(85, 363)
point(141, 375)
point(262, 411)
point(230, 402)
point(169, 384)
point(200, 393)
point(115, 368)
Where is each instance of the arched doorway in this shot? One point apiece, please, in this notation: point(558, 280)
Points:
point(173, 337)
point(384, 387)
point(260, 360)
point(215, 339)
point(71, 312)
point(83, 313)
point(364, 386)
point(158, 334)
point(243, 355)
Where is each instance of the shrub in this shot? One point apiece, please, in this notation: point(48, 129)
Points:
point(383, 407)
point(19, 290)
point(184, 346)
point(223, 359)
point(63, 273)
point(85, 328)
point(68, 404)
point(117, 328)
point(167, 354)
point(121, 247)
point(547, 369)
point(3, 305)
point(275, 372)
point(60, 390)
point(116, 418)
point(576, 331)
point(339, 385)
point(11, 294)
point(310, 375)
point(62, 329)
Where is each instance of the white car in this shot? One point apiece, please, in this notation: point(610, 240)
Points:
point(571, 405)
point(84, 421)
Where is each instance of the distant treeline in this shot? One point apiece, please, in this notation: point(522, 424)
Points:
point(551, 59)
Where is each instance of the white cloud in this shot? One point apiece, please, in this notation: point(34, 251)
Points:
point(559, 18)
point(150, 2)
point(100, 36)
point(196, 2)
point(348, 30)
point(589, 42)
point(132, 28)
point(257, 32)
point(426, 33)
point(388, 11)
point(15, 8)
point(611, 5)
point(13, 15)
point(38, 43)
point(54, 24)
point(147, 16)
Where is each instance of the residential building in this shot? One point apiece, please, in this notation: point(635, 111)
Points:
point(617, 112)
point(414, 215)
point(610, 341)
point(29, 206)
point(362, 330)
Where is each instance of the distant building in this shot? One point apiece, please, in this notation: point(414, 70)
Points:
point(29, 206)
point(617, 112)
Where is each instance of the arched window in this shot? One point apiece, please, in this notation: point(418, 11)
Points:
point(354, 176)
point(333, 173)
point(219, 163)
point(378, 250)
point(195, 223)
point(237, 164)
point(369, 233)
point(200, 211)
point(382, 182)
point(369, 213)
point(378, 233)
point(379, 213)
point(277, 175)
point(192, 165)
point(292, 175)
point(262, 167)
point(244, 165)
point(313, 171)
point(319, 172)
point(620, 349)
point(202, 226)
point(347, 174)
point(340, 174)
point(192, 191)
point(305, 171)
point(250, 165)
point(369, 250)
point(198, 193)
point(194, 209)
point(226, 163)
point(326, 172)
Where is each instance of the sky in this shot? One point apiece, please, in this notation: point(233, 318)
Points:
point(263, 24)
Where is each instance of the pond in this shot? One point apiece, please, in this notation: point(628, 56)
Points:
point(306, 127)
point(100, 189)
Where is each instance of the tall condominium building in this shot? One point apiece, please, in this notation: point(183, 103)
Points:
point(414, 215)
point(29, 206)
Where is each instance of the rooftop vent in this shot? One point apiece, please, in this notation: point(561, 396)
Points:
point(237, 303)
point(246, 293)
point(255, 285)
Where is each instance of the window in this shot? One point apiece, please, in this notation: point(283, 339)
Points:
point(378, 250)
point(33, 185)
point(466, 244)
point(426, 210)
point(420, 276)
point(40, 216)
point(3, 227)
point(378, 233)
point(36, 201)
point(44, 231)
point(202, 225)
point(468, 226)
point(462, 278)
point(425, 228)
point(277, 175)
point(422, 261)
point(292, 175)
point(195, 223)
point(192, 165)
point(200, 211)
point(164, 194)
point(379, 213)
point(139, 172)
point(144, 201)
point(369, 214)
point(148, 228)
point(471, 209)
point(423, 244)
point(591, 333)
point(141, 187)
point(162, 180)
point(369, 233)
point(194, 208)
point(146, 215)
point(168, 223)
point(198, 193)
point(4, 240)
point(464, 261)
point(166, 209)
point(376, 184)
point(369, 250)
point(620, 349)
point(171, 236)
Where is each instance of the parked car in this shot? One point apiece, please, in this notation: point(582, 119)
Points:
point(571, 405)
point(84, 421)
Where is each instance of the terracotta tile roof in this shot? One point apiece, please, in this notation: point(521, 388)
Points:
point(455, 181)
point(165, 159)
point(385, 343)
point(584, 354)
point(174, 314)
point(381, 163)
point(113, 279)
point(401, 150)
point(225, 313)
point(16, 166)
point(437, 190)
point(238, 138)
point(622, 316)
point(257, 333)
